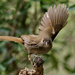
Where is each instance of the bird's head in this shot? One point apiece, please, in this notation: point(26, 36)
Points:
point(46, 41)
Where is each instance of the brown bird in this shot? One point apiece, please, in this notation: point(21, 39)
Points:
point(52, 22)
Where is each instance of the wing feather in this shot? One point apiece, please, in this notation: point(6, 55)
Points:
point(54, 20)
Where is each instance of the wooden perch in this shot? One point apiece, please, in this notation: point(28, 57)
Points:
point(37, 65)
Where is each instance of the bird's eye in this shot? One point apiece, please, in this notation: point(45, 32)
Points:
point(43, 40)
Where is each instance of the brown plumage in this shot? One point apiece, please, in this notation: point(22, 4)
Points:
point(52, 22)
point(10, 38)
point(37, 44)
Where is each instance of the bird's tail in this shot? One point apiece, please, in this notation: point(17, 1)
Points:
point(10, 38)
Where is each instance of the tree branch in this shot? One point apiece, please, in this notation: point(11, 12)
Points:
point(37, 68)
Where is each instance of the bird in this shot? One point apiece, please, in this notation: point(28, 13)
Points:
point(52, 22)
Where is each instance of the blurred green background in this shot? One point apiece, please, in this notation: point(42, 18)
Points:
point(19, 17)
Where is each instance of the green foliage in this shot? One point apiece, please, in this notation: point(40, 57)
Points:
point(18, 17)
point(72, 7)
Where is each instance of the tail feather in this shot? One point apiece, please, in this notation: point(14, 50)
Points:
point(10, 38)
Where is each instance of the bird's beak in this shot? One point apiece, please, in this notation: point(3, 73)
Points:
point(46, 43)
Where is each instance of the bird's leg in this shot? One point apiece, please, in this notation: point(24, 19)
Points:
point(29, 54)
point(30, 59)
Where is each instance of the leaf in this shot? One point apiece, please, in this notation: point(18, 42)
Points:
point(72, 8)
point(8, 61)
point(54, 61)
point(2, 68)
point(3, 50)
point(63, 1)
point(2, 43)
point(72, 74)
point(68, 68)
point(3, 29)
point(67, 57)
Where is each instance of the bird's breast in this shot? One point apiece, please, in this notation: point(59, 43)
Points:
point(37, 49)
point(41, 50)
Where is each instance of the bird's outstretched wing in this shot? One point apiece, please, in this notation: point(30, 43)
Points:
point(54, 20)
